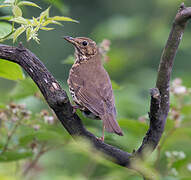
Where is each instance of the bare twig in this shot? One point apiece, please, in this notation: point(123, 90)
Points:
point(42, 150)
point(10, 135)
point(158, 118)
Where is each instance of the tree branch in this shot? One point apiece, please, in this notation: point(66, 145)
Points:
point(58, 100)
point(158, 118)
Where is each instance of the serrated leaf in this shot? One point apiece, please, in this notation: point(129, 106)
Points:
point(35, 21)
point(29, 23)
point(32, 34)
point(5, 29)
point(44, 14)
point(46, 29)
point(15, 155)
point(19, 20)
point(10, 70)
point(17, 11)
point(36, 29)
point(18, 32)
point(63, 18)
point(28, 33)
point(5, 5)
point(28, 3)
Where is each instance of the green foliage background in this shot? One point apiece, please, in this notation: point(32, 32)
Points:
point(138, 31)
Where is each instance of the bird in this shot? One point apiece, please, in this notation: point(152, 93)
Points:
point(90, 85)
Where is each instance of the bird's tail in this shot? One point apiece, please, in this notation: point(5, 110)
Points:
point(111, 125)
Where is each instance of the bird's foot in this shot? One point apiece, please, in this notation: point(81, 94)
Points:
point(101, 138)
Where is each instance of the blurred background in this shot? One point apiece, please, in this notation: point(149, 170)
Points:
point(138, 31)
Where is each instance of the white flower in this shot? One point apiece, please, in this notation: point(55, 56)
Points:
point(177, 82)
point(180, 90)
point(168, 154)
point(49, 119)
point(175, 153)
point(189, 166)
point(174, 171)
point(182, 155)
point(36, 127)
point(177, 87)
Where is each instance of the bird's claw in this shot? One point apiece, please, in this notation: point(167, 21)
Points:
point(101, 138)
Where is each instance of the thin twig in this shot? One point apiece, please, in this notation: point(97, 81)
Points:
point(10, 135)
point(31, 165)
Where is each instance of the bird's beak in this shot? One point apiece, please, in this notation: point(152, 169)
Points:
point(69, 39)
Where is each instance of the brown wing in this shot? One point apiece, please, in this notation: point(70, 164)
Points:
point(109, 117)
point(99, 99)
point(86, 96)
point(91, 100)
point(102, 106)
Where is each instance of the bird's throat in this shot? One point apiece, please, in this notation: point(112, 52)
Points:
point(82, 58)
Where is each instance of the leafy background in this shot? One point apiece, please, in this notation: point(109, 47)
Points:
point(34, 145)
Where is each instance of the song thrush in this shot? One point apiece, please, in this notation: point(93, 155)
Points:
point(90, 85)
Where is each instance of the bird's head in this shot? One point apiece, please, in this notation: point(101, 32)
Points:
point(85, 47)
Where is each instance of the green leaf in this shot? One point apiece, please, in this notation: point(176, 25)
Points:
point(24, 89)
point(35, 21)
point(41, 135)
point(46, 29)
point(2, 106)
point(5, 5)
point(17, 11)
point(63, 18)
point(18, 32)
point(29, 22)
point(10, 70)
point(136, 127)
point(32, 34)
point(28, 33)
point(28, 3)
point(6, 18)
point(44, 14)
point(50, 22)
point(19, 20)
point(5, 29)
point(69, 60)
point(15, 155)
point(115, 86)
point(36, 28)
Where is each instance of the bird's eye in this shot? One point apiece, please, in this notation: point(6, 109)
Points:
point(85, 43)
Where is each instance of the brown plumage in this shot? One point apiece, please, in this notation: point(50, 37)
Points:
point(90, 85)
